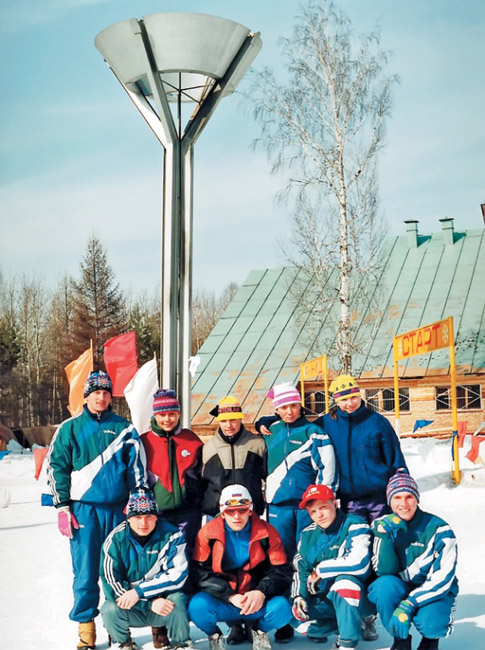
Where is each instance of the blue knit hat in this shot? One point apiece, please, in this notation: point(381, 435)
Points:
point(141, 502)
point(401, 482)
point(98, 380)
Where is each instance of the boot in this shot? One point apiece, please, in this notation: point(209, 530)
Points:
point(369, 631)
point(160, 638)
point(337, 645)
point(402, 644)
point(260, 640)
point(87, 636)
point(428, 644)
point(126, 645)
point(217, 641)
point(284, 634)
point(237, 635)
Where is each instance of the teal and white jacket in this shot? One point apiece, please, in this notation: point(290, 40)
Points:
point(154, 570)
point(423, 555)
point(299, 454)
point(95, 459)
point(342, 549)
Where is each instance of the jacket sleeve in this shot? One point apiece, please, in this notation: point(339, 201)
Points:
point(203, 576)
point(112, 570)
point(302, 571)
point(384, 557)
point(169, 572)
point(266, 421)
point(391, 447)
point(59, 465)
point(278, 577)
point(135, 459)
point(323, 460)
point(353, 557)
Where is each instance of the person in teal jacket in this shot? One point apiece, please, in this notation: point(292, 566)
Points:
point(414, 557)
point(143, 570)
point(331, 565)
point(94, 460)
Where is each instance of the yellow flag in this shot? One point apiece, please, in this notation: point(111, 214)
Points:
point(77, 372)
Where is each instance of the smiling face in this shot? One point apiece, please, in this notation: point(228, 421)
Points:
point(236, 518)
point(98, 401)
point(323, 513)
point(230, 427)
point(289, 412)
point(167, 420)
point(142, 525)
point(404, 505)
point(350, 404)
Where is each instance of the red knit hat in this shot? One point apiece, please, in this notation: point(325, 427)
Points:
point(165, 400)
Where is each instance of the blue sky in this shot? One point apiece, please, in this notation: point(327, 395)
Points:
point(76, 158)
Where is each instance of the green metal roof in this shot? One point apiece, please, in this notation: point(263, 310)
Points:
point(259, 341)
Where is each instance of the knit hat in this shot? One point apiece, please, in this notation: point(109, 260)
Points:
point(321, 492)
point(141, 502)
point(165, 400)
point(283, 394)
point(97, 380)
point(228, 409)
point(235, 496)
point(401, 482)
point(344, 386)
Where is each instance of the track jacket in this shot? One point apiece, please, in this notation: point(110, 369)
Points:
point(424, 556)
point(229, 460)
point(367, 450)
point(266, 570)
point(341, 549)
point(96, 460)
point(155, 570)
point(299, 454)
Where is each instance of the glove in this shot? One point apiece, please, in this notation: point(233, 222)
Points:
point(390, 524)
point(401, 619)
point(312, 582)
point(299, 609)
point(66, 521)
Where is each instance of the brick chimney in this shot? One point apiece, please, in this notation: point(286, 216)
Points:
point(448, 231)
point(412, 233)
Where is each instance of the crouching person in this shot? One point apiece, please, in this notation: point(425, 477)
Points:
point(143, 569)
point(332, 562)
point(241, 572)
point(414, 557)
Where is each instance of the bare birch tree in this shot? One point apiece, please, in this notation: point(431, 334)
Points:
point(323, 129)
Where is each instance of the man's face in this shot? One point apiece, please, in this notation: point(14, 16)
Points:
point(98, 401)
point(323, 513)
point(142, 525)
point(289, 412)
point(230, 427)
point(167, 420)
point(404, 505)
point(350, 404)
point(236, 518)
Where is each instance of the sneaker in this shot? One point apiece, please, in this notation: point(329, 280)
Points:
point(260, 640)
point(369, 631)
point(217, 641)
point(338, 646)
point(284, 634)
point(402, 644)
point(126, 645)
point(428, 644)
point(239, 634)
point(87, 636)
point(188, 645)
point(160, 638)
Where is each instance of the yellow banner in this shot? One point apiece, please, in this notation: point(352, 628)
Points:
point(313, 368)
point(422, 340)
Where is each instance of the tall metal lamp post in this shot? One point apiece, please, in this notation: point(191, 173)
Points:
point(163, 61)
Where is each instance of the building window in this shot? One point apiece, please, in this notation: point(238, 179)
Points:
point(382, 399)
point(315, 402)
point(467, 397)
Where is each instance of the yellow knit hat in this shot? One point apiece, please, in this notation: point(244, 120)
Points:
point(229, 408)
point(344, 386)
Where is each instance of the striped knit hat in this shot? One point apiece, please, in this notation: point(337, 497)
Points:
point(283, 394)
point(165, 400)
point(344, 386)
point(229, 408)
point(97, 380)
point(141, 502)
point(401, 482)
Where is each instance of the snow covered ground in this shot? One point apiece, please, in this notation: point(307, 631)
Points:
point(35, 570)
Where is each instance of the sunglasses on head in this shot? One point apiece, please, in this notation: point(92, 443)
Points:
point(234, 503)
point(242, 510)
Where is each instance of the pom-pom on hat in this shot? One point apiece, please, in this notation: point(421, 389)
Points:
point(165, 400)
point(229, 408)
point(344, 386)
point(321, 492)
point(141, 502)
point(97, 380)
point(401, 482)
point(235, 496)
point(283, 394)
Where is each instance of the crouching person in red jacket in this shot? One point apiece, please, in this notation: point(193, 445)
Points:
point(241, 572)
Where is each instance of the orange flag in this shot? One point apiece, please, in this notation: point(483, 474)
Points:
point(121, 361)
point(39, 455)
point(77, 372)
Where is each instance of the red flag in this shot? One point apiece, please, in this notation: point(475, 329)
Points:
point(39, 455)
point(120, 360)
point(77, 372)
